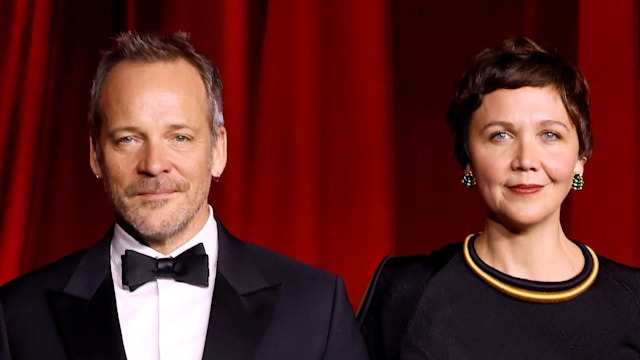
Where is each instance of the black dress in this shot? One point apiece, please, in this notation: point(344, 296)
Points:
point(435, 307)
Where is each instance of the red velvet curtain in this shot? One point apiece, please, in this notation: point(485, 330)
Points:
point(338, 148)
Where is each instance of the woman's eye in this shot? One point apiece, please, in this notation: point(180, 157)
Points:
point(550, 135)
point(502, 135)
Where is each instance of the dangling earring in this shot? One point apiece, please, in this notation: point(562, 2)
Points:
point(468, 180)
point(578, 182)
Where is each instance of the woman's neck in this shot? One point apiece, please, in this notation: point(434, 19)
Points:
point(539, 253)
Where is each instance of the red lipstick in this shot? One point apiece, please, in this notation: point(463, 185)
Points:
point(525, 189)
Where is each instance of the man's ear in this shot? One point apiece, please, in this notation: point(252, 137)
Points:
point(94, 159)
point(219, 153)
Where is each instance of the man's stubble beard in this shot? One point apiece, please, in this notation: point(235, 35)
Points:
point(157, 232)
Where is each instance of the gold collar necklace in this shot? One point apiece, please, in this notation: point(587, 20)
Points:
point(531, 295)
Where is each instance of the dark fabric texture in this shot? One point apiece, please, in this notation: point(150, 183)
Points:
point(265, 306)
point(392, 299)
point(434, 307)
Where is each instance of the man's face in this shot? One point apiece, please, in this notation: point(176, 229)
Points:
point(156, 153)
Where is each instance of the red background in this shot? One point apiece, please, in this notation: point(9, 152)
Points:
point(338, 149)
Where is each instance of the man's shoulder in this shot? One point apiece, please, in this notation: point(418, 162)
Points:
point(53, 276)
point(56, 275)
point(271, 261)
point(273, 265)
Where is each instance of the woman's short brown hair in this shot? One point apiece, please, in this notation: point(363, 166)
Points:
point(516, 63)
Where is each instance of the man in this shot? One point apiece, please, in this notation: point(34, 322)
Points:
point(168, 281)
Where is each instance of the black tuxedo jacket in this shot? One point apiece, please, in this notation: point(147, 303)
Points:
point(265, 306)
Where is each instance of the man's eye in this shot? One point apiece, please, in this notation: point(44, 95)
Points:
point(126, 139)
point(181, 138)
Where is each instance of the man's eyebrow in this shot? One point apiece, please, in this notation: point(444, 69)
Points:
point(179, 127)
point(124, 129)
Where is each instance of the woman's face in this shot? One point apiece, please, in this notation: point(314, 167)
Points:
point(523, 151)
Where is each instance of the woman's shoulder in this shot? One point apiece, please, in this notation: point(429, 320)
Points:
point(393, 294)
point(399, 280)
point(626, 276)
point(405, 268)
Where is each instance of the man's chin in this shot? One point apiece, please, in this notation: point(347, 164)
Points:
point(151, 223)
point(154, 221)
point(152, 203)
point(156, 233)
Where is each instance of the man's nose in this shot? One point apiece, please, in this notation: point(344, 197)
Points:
point(154, 159)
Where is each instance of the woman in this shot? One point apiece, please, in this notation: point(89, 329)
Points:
point(520, 289)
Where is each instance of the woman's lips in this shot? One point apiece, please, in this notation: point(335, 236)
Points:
point(525, 189)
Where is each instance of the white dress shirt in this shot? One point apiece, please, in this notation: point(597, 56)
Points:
point(164, 319)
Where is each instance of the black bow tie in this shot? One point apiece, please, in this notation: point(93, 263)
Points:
point(192, 266)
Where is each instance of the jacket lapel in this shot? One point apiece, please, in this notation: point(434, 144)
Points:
point(243, 302)
point(85, 310)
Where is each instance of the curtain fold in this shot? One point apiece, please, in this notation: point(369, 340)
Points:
point(606, 212)
point(21, 117)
